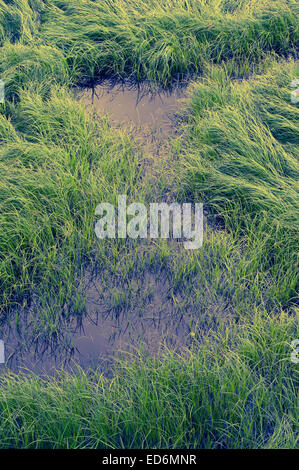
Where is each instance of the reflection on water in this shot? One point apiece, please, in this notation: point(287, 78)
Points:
point(148, 318)
point(147, 113)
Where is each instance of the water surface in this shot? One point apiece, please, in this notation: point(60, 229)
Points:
point(136, 108)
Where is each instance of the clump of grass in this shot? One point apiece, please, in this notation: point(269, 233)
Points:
point(39, 65)
point(160, 41)
point(240, 153)
point(19, 20)
point(53, 161)
point(238, 391)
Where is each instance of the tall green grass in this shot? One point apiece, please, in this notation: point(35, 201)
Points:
point(160, 41)
point(156, 40)
point(237, 391)
point(237, 149)
point(240, 153)
point(56, 163)
point(19, 20)
point(37, 65)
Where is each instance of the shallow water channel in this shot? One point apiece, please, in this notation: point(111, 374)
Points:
point(102, 330)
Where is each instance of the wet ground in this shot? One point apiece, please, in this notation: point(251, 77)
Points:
point(149, 317)
point(148, 115)
point(148, 309)
point(134, 106)
point(143, 315)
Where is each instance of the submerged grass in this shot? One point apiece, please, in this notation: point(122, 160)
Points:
point(236, 392)
point(237, 149)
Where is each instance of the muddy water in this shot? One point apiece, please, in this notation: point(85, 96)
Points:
point(150, 115)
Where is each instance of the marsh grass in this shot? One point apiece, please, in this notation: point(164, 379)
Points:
point(54, 162)
point(155, 41)
point(241, 154)
point(237, 391)
point(160, 41)
point(19, 20)
point(37, 65)
point(236, 149)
